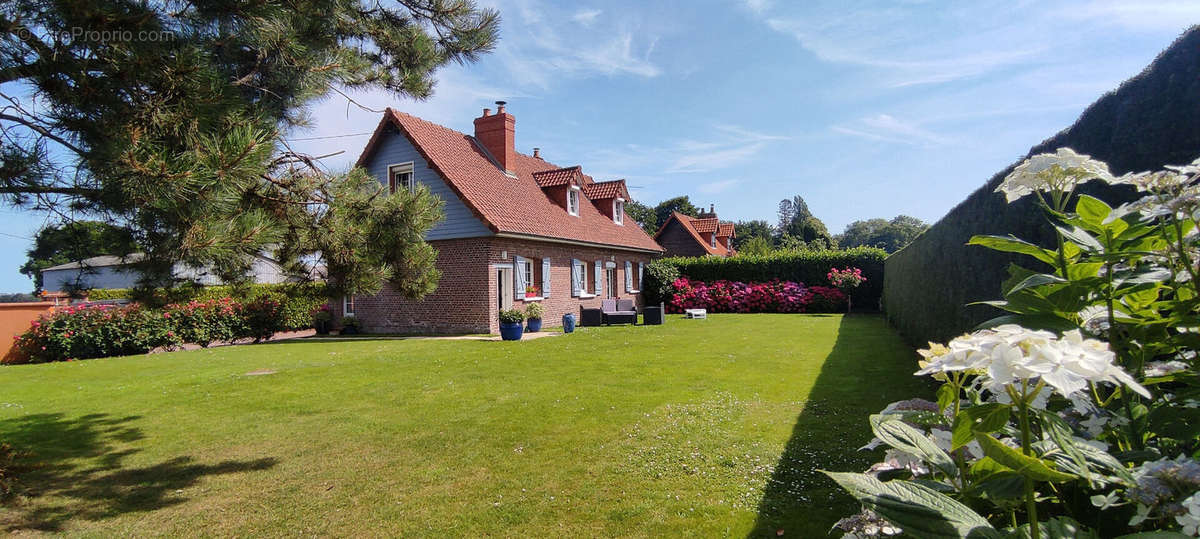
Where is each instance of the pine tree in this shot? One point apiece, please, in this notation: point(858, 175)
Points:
point(168, 118)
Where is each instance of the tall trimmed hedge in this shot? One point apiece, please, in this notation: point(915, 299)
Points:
point(808, 267)
point(298, 300)
point(1151, 120)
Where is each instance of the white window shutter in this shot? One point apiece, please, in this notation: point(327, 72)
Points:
point(545, 277)
point(599, 278)
point(576, 288)
point(628, 276)
point(518, 277)
point(641, 267)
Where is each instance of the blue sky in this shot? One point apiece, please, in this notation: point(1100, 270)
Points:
point(866, 109)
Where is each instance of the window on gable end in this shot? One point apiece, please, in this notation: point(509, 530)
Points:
point(401, 177)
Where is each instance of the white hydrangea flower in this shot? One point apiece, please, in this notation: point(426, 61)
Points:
point(1163, 368)
point(1059, 171)
point(1010, 354)
point(1190, 521)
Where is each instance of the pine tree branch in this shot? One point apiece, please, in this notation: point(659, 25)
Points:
point(44, 132)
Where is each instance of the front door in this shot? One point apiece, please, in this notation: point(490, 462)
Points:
point(610, 279)
point(504, 288)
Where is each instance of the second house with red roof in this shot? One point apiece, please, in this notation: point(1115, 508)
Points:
point(517, 229)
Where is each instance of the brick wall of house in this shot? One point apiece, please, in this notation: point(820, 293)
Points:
point(460, 304)
point(561, 301)
point(679, 242)
point(466, 299)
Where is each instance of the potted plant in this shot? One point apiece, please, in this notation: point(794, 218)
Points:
point(531, 291)
point(533, 313)
point(323, 319)
point(510, 324)
point(846, 280)
point(350, 325)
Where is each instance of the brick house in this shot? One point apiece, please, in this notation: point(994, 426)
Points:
point(704, 235)
point(511, 221)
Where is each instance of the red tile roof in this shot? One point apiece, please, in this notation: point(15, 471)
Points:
point(698, 227)
point(704, 226)
point(558, 176)
point(609, 189)
point(514, 206)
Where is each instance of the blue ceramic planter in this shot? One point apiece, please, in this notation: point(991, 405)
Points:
point(511, 331)
point(535, 324)
point(568, 323)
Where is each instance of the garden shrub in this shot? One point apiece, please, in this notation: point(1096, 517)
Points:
point(1151, 120)
point(737, 297)
point(796, 266)
point(86, 332)
point(98, 330)
point(659, 279)
point(298, 301)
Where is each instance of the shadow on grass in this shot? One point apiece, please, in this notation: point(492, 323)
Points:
point(75, 470)
point(868, 367)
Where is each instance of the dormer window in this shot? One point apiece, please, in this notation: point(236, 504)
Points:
point(714, 240)
point(573, 200)
point(401, 177)
point(619, 211)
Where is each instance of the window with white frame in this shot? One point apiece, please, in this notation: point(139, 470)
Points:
point(529, 274)
point(347, 305)
point(714, 239)
point(401, 177)
point(573, 200)
point(619, 211)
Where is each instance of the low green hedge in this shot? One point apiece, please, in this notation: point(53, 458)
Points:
point(808, 267)
point(298, 300)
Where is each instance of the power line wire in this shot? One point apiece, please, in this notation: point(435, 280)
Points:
point(330, 136)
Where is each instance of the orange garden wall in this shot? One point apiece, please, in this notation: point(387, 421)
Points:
point(15, 319)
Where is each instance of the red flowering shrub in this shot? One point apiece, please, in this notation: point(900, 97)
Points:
point(736, 297)
point(261, 318)
point(92, 331)
point(204, 322)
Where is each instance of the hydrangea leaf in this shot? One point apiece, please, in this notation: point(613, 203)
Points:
point(1031, 467)
point(1092, 210)
point(983, 418)
point(1011, 244)
point(894, 432)
point(918, 510)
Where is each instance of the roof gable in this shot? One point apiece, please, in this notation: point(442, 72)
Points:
point(697, 228)
point(507, 204)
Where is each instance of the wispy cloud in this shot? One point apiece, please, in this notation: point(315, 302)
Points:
point(713, 188)
point(907, 60)
point(586, 16)
point(886, 128)
point(537, 53)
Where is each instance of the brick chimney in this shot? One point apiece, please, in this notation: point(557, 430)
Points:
point(710, 214)
point(496, 132)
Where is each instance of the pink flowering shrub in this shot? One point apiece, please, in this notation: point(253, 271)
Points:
point(737, 297)
point(845, 279)
point(86, 332)
point(92, 331)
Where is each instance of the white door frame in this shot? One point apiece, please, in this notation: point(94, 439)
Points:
point(504, 287)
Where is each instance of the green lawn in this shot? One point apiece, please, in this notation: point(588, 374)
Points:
point(709, 428)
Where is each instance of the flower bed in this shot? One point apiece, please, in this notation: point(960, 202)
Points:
point(774, 296)
point(93, 331)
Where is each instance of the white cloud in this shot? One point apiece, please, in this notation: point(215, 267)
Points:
point(886, 128)
point(1157, 15)
point(586, 16)
point(713, 188)
point(757, 6)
